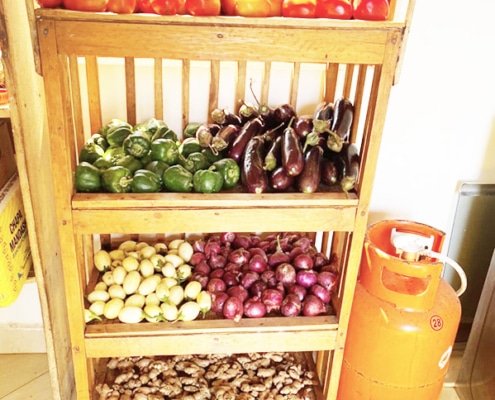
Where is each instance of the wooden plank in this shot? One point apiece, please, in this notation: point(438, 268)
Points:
point(222, 42)
point(213, 220)
point(209, 344)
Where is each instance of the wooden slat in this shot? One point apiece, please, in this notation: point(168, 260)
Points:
point(222, 42)
point(214, 86)
point(158, 87)
point(130, 90)
point(213, 220)
point(186, 78)
point(240, 88)
point(331, 75)
point(94, 102)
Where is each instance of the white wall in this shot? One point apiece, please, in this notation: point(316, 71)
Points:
point(440, 126)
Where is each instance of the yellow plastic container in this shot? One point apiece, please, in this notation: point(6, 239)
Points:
point(15, 252)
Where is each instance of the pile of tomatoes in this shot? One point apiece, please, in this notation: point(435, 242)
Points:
point(376, 10)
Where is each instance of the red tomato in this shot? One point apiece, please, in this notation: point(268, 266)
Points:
point(182, 7)
point(299, 8)
point(371, 10)
point(228, 7)
point(253, 8)
point(165, 7)
point(336, 9)
point(121, 6)
point(144, 6)
point(276, 8)
point(50, 3)
point(203, 7)
point(86, 5)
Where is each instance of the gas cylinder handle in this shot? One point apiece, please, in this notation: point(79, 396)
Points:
point(453, 264)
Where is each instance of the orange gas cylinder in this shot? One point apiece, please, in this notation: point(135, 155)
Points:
point(404, 317)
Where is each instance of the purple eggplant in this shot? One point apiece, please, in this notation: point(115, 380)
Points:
point(254, 177)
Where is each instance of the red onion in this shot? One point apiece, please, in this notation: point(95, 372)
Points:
point(328, 280)
point(259, 251)
point(255, 240)
point(239, 292)
point(272, 299)
point(298, 290)
point(320, 260)
point(304, 242)
point(242, 241)
point(212, 247)
point(203, 279)
point(218, 300)
point(199, 246)
point(216, 285)
point(257, 288)
point(217, 273)
point(291, 306)
point(231, 278)
point(286, 274)
point(202, 268)
point(278, 258)
point(233, 309)
point(254, 308)
point(217, 261)
point(306, 278)
point(239, 256)
point(231, 267)
point(257, 263)
point(320, 292)
point(196, 258)
point(268, 276)
point(312, 306)
point(227, 237)
point(295, 252)
point(303, 261)
point(249, 278)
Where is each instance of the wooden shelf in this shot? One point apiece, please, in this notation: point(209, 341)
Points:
point(4, 111)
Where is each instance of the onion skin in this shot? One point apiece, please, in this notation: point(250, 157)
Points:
point(227, 237)
point(291, 306)
point(257, 263)
point(306, 278)
point(242, 241)
point(298, 290)
point(320, 292)
point(239, 256)
point(303, 261)
point(254, 308)
point(257, 288)
point(216, 285)
point(312, 306)
point(272, 299)
point(328, 280)
point(230, 278)
point(239, 292)
point(217, 261)
point(202, 268)
point(217, 301)
point(197, 258)
point(286, 274)
point(248, 279)
point(233, 309)
point(216, 273)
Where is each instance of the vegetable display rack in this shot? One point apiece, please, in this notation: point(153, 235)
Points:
point(355, 59)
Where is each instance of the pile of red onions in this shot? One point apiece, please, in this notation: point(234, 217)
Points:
point(250, 276)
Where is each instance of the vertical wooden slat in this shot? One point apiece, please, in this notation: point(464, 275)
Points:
point(265, 83)
point(349, 75)
point(130, 88)
point(77, 117)
point(186, 76)
point(331, 76)
point(240, 87)
point(358, 101)
point(158, 88)
point(94, 102)
point(296, 73)
point(214, 86)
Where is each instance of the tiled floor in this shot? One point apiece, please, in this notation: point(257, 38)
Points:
point(25, 376)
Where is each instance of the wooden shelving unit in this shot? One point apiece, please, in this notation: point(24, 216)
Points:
point(358, 60)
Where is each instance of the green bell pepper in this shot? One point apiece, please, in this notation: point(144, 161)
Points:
point(98, 139)
point(178, 179)
point(207, 181)
point(197, 161)
point(116, 179)
point(129, 162)
point(87, 178)
point(230, 171)
point(137, 144)
point(165, 150)
point(90, 152)
point(158, 167)
point(116, 131)
point(190, 129)
point(212, 157)
point(188, 146)
point(150, 126)
point(102, 164)
point(144, 181)
point(165, 133)
point(114, 154)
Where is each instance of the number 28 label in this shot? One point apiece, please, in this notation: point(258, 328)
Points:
point(436, 322)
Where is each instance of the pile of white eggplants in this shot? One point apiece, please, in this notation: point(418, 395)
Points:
point(148, 282)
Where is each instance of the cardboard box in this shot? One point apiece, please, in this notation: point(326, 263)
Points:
point(15, 252)
point(8, 166)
